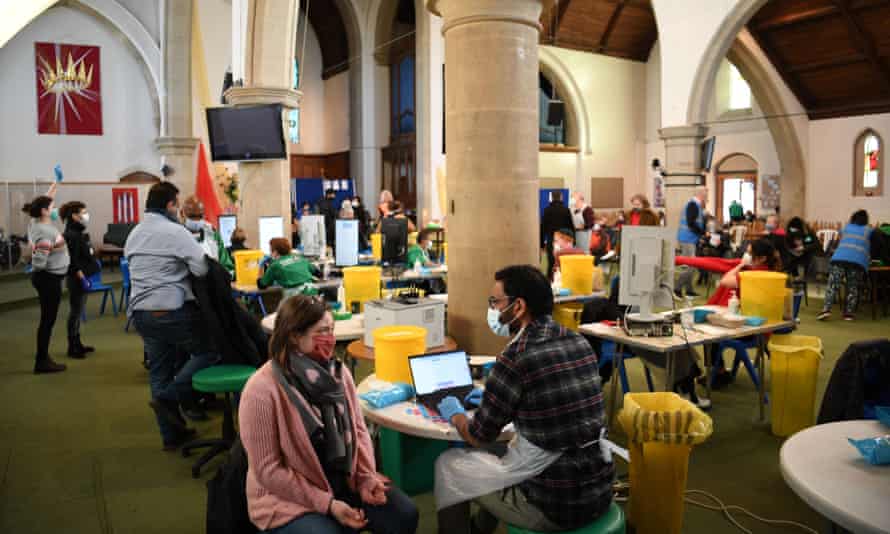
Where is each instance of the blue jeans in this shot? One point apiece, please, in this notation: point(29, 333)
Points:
point(397, 516)
point(173, 343)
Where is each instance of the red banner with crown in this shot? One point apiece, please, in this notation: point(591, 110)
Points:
point(69, 95)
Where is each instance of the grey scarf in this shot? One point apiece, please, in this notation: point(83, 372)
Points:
point(319, 387)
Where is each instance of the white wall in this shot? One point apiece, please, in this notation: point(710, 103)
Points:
point(830, 168)
point(128, 116)
point(614, 94)
point(324, 115)
point(148, 13)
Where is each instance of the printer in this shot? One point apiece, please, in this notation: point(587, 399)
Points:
point(423, 312)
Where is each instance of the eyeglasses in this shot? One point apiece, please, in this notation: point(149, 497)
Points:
point(494, 300)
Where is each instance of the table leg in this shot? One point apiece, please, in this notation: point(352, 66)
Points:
point(615, 381)
point(708, 354)
point(761, 369)
point(670, 360)
point(874, 295)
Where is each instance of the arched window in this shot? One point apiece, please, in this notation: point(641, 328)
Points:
point(868, 165)
point(293, 116)
point(551, 116)
point(739, 90)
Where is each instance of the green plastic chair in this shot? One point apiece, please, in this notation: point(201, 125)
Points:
point(225, 379)
point(612, 522)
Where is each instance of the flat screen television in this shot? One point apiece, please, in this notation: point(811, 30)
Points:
point(707, 153)
point(246, 133)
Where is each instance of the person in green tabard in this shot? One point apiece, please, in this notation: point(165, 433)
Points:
point(420, 251)
point(287, 269)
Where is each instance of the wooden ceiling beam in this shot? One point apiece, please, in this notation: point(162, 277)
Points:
point(863, 42)
point(796, 17)
point(828, 63)
point(610, 26)
point(830, 111)
point(791, 80)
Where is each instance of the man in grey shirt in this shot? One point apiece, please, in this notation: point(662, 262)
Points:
point(162, 254)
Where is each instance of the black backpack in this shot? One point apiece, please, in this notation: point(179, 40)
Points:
point(880, 246)
point(227, 496)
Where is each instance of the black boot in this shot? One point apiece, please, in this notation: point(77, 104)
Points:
point(86, 349)
point(47, 365)
point(74, 350)
point(169, 412)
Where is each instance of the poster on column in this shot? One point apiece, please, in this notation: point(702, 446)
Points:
point(69, 94)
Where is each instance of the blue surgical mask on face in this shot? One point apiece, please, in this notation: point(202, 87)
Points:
point(54, 214)
point(193, 225)
point(495, 324)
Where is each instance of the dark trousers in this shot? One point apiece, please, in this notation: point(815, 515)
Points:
point(167, 335)
point(855, 278)
point(397, 516)
point(49, 291)
point(77, 300)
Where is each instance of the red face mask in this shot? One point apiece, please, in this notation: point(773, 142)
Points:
point(323, 347)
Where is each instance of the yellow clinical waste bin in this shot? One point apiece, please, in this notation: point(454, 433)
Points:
point(763, 294)
point(247, 265)
point(377, 246)
point(361, 284)
point(392, 347)
point(577, 273)
point(568, 314)
point(794, 368)
point(661, 430)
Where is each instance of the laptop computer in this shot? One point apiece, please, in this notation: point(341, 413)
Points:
point(440, 375)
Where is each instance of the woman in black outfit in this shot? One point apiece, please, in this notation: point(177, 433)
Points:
point(83, 265)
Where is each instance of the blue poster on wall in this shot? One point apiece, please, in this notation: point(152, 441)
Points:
point(312, 190)
point(546, 196)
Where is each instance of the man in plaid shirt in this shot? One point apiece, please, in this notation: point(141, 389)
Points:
point(547, 383)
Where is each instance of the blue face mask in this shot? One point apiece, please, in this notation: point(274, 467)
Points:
point(494, 322)
point(54, 214)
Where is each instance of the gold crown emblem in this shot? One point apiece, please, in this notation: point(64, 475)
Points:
point(73, 78)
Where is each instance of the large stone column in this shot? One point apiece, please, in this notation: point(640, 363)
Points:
point(177, 142)
point(682, 148)
point(491, 117)
point(268, 76)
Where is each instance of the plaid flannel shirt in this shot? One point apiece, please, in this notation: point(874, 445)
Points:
point(547, 383)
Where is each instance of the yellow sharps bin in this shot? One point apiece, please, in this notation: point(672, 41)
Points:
point(392, 347)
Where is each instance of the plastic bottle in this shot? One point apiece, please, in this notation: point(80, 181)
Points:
point(733, 303)
point(557, 281)
point(341, 297)
point(326, 270)
point(418, 267)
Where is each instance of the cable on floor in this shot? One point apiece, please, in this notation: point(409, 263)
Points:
point(726, 509)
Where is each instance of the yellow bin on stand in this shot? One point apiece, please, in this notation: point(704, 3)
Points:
point(568, 314)
point(392, 347)
point(661, 430)
point(377, 246)
point(763, 294)
point(247, 265)
point(577, 273)
point(361, 284)
point(794, 368)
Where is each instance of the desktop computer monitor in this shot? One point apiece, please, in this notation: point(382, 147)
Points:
point(312, 235)
point(227, 225)
point(346, 243)
point(270, 228)
point(647, 269)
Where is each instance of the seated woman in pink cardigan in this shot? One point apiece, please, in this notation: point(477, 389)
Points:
point(311, 461)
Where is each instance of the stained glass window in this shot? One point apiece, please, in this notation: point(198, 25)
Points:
point(868, 165)
point(293, 116)
point(872, 151)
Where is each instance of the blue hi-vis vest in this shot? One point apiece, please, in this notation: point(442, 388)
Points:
point(854, 246)
point(684, 233)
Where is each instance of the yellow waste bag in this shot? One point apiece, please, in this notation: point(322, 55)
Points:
point(661, 429)
point(794, 369)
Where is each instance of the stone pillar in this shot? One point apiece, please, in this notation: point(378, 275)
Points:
point(177, 143)
point(682, 149)
point(491, 108)
point(268, 77)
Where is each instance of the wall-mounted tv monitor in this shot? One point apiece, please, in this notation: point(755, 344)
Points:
point(248, 133)
point(707, 153)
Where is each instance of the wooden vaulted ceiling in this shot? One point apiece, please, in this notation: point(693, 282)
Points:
point(618, 28)
point(328, 24)
point(833, 54)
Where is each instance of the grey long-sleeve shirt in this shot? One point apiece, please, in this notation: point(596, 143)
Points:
point(161, 255)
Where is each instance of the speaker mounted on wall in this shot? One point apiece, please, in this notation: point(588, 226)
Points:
point(556, 112)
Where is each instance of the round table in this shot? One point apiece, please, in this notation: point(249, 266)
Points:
point(830, 475)
point(401, 418)
point(357, 350)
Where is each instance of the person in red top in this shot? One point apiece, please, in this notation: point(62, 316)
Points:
point(760, 256)
point(563, 245)
point(600, 242)
point(641, 214)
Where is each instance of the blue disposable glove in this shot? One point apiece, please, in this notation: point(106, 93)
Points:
point(85, 283)
point(449, 407)
point(58, 171)
point(474, 398)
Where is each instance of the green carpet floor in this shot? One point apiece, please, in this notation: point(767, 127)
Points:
point(80, 452)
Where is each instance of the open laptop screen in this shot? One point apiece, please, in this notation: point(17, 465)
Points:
point(433, 372)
